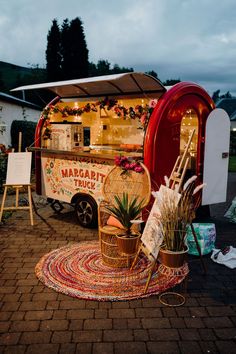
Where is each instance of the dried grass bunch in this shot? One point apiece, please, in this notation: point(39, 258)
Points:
point(176, 211)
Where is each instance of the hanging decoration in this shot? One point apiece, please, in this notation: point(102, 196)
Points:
point(140, 112)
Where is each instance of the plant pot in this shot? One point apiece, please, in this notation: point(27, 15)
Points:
point(173, 259)
point(127, 245)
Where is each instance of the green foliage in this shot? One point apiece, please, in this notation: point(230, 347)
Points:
point(67, 53)
point(171, 82)
point(3, 169)
point(27, 128)
point(232, 163)
point(152, 73)
point(126, 210)
point(233, 142)
point(53, 53)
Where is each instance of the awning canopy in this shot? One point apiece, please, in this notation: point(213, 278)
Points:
point(126, 84)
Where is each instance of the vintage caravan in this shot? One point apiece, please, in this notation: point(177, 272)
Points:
point(91, 121)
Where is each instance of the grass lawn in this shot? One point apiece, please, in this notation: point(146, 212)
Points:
point(232, 164)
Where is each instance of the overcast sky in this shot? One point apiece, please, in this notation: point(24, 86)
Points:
point(193, 40)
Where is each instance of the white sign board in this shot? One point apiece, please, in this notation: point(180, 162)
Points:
point(19, 168)
point(216, 157)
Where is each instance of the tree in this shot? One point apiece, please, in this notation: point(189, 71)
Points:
point(152, 73)
point(171, 82)
point(74, 50)
point(53, 53)
point(216, 96)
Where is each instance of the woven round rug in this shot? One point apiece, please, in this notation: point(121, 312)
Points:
point(77, 270)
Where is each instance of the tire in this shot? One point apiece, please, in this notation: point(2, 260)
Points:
point(86, 212)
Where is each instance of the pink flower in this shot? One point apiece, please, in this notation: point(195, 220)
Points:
point(152, 103)
point(138, 169)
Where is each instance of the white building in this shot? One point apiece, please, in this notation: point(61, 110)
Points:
point(12, 108)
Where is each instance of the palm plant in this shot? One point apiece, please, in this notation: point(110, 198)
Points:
point(126, 210)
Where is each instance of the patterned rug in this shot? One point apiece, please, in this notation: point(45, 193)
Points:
point(77, 270)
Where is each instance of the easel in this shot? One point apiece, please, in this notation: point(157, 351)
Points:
point(176, 180)
point(17, 188)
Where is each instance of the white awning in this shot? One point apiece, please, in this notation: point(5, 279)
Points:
point(127, 84)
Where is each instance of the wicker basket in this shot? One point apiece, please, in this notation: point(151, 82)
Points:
point(110, 254)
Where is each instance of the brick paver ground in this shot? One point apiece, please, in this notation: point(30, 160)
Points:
point(36, 319)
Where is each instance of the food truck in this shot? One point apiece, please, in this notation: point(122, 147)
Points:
point(91, 121)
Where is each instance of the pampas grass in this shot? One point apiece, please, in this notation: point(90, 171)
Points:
point(176, 212)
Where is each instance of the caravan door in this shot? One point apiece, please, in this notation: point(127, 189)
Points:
point(216, 157)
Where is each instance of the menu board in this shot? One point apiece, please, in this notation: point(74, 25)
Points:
point(19, 168)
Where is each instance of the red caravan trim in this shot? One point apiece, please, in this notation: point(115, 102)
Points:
point(38, 133)
point(161, 144)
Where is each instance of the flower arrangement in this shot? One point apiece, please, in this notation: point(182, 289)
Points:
point(175, 212)
point(128, 164)
point(141, 112)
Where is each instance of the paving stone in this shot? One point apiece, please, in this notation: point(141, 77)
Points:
point(32, 305)
point(177, 322)
point(35, 337)
point(161, 347)
point(24, 326)
point(15, 349)
point(129, 347)
point(67, 348)
point(141, 335)
point(61, 337)
point(101, 313)
point(194, 323)
point(75, 325)
point(84, 348)
point(120, 323)
point(103, 348)
point(189, 347)
point(217, 322)
point(44, 348)
point(119, 335)
point(80, 314)
point(219, 311)
point(187, 334)
point(207, 334)
point(87, 336)
point(54, 325)
point(163, 334)
point(226, 333)
point(69, 305)
point(9, 338)
point(38, 315)
point(121, 313)
point(98, 324)
point(148, 312)
point(155, 323)
point(226, 347)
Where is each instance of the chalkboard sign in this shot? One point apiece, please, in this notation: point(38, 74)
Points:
point(19, 168)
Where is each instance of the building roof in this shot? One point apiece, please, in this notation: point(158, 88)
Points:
point(228, 104)
point(18, 101)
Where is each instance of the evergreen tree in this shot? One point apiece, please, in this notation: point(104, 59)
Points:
point(152, 73)
point(65, 49)
point(53, 53)
point(74, 49)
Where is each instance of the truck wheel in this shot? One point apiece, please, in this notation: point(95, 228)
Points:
point(86, 212)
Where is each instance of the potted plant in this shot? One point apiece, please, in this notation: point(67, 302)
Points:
point(176, 212)
point(126, 210)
